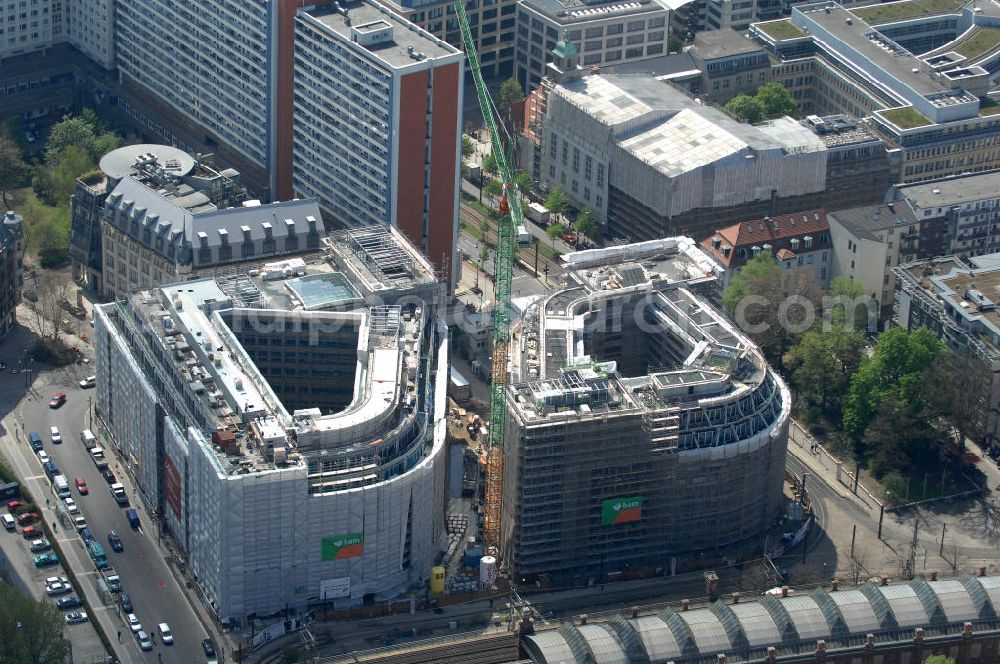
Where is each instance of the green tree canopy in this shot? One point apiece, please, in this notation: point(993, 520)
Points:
point(13, 170)
point(745, 109)
point(72, 163)
point(895, 369)
point(939, 659)
point(822, 363)
point(84, 132)
point(31, 632)
point(850, 302)
point(675, 44)
point(511, 92)
point(468, 146)
point(557, 201)
point(490, 164)
point(555, 231)
point(586, 224)
point(493, 189)
point(776, 100)
point(523, 181)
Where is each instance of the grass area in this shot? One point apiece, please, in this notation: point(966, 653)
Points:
point(897, 11)
point(906, 117)
point(988, 106)
point(980, 42)
point(779, 30)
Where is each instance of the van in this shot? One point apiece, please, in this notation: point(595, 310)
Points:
point(50, 469)
point(8, 522)
point(87, 438)
point(133, 517)
point(61, 486)
point(36, 440)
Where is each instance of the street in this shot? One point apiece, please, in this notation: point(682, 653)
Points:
point(145, 575)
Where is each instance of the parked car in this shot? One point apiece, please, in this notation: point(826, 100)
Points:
point(80, 523)
point(27, 518)
point(88, 382)
point(71, 506)
point(126, 603)
point(144, 642)
point(115, 542)
point(133, 622)
point(46, 559)
point(67, 603)
point(44, 457)
point(39, 545)
point(206, 645)
point(55, 435)
point(81, 486)
point(76, 617)
point(133, 518)
point(57, 585)
point(36, 440)
point(58, 400)
point(165, 635)
point(108, 476)
point(8, 522)
point(31, 533)
point(14, 506)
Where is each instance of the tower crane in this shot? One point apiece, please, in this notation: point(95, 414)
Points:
point(510, 218)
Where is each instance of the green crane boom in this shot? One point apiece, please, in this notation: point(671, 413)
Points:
point(510, 218)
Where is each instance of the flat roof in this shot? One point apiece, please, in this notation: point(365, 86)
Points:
point(907, 9)
point(953, 191)
point(713, 44)
point(405, 35)
point(575, 11)
point(121, 162)
point(317, 291)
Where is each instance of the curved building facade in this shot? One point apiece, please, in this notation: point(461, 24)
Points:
point(288, 429)
point(645, 430)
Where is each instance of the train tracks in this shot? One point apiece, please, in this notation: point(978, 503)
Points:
point(527, 256)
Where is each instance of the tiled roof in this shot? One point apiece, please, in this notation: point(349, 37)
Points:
point(777, 231)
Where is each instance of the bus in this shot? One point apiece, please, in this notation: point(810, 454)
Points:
point(97, 554)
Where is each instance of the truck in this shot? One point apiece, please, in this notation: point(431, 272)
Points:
point(538, 213)
point(97, 454)
point(112, 579)
point(118, 493)
point(523, 236)
point(97, 554)
point(60, 485)
point(474, 172)
point(88, 439)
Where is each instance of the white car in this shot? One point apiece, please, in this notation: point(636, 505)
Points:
point(165, 634)
point(80, 523)
point(57, 585)
point(89, 381)
point(144, 642)
point(44, 457)
point(56, 436)
point(76, 617)
point(133, 623)
point(39, 545)
point(71, 506)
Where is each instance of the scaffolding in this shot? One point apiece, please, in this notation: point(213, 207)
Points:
point(380, 252)
point(242, 291)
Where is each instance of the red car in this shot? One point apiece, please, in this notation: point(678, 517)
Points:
point(58, 400)
point(81, 486)
point(31, 533)
point(14, 505)
point(27, 518)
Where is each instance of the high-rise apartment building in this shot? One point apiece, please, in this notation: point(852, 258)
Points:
point(11, 269)
point(92, 29)
point(221, 70)
point(377, 124)
point(27, 26)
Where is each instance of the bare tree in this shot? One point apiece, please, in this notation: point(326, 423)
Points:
point(755, 579)
point(857, 563)
point(961, 393)
point(52, 291)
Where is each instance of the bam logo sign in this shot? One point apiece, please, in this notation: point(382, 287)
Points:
point(343, 546)
point(621, 510)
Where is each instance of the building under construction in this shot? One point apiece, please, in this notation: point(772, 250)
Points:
point(644, 429)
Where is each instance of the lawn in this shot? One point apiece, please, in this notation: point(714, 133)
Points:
point(988, 106)
point(906, 117)
point(897, 11)
point(779, 30)
point(980, 42)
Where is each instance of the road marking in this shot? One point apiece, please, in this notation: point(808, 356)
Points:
point(36, 477)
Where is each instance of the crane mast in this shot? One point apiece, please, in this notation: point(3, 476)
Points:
point(510, 218)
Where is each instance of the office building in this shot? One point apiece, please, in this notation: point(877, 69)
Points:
point(877, 622)
point(650, 160)
point(920, 71)
point(602, 32)
point(288, 434)
point(798, 241)
point(956, 300)
point(643, 429)
point(11, 270)
point(155, 215)
point(378, 124)
point(220, 70)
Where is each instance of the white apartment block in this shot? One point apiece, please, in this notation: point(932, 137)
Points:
point(603, 33)
point(92, 29)
point(212, 62)
point(30, 25)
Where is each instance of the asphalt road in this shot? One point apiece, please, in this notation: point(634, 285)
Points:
point(145, 576)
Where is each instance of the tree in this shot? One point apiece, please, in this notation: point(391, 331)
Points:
point(31, 632)
point(523, 182)
point(675, 44)
point(959, 393)
point(72, 163)
point(939, 659)
point(857, 562)
point(468, 146)
point(13, 170)
point(554, 231)
point(52, 289)
point(745, 109)
point(776, 100)
point(511, 92)
point(490, 164)
point(900, 441)
point(822, 364)
point(586, 224)
point(493, 189)
point(557, 201)
point(850, 305)
point(896, 369)
point(83, 131)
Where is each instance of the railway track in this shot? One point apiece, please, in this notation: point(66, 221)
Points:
point(524, 255)
point(479, 649)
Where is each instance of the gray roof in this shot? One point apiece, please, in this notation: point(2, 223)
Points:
point(713, 44)
point(119, 163)
point(404, 34)
point(567, 12)
point(952, 191)
point(867, 220)
point(180, 220)
point(664, 65)
point(849, 615)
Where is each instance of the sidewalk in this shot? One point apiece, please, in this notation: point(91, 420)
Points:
point(831, 470)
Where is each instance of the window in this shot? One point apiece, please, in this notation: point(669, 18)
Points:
point(635, 39)
point(654, 49)
point(634, 26)
point(586, 194)
point(575, 186)
point(657, 22)
point(600, 201)
point(600, 175)
point(591, 33)
point(588, 167)
point(614, 42)
point(554, 146)
point(592, 59)
point(633, 53)
point(592, 46)
point(615, 29)
point(576, 160)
